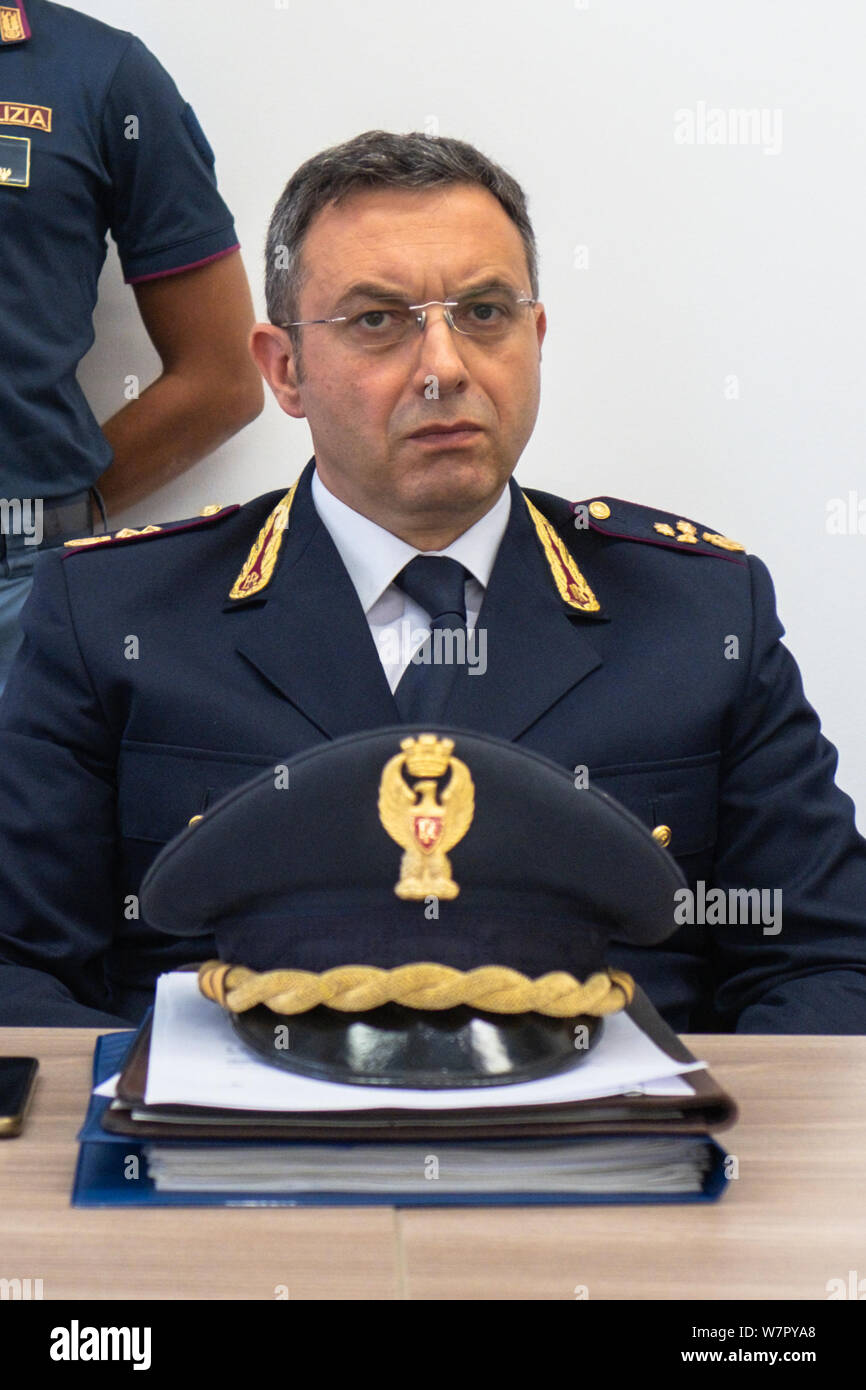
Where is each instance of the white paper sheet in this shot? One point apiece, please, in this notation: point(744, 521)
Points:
point(108, 1087)
point(197, 1059)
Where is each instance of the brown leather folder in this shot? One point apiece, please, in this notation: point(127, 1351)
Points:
point(708, 1108)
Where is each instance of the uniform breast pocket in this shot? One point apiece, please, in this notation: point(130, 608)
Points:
point(162, 787)
point(678, 800)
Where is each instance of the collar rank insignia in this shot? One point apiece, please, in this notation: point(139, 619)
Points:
point(572, 586)
point(425, 819)
point(259, 565)
point(12, 26)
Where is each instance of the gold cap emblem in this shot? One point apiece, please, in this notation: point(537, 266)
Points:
point(425, 821)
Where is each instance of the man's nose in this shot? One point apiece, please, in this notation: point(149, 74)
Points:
point(440, 355)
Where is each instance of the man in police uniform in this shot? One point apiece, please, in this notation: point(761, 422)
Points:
point(161, 670)
point(94, 135)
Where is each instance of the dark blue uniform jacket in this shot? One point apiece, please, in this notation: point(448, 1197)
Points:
point(109, 745)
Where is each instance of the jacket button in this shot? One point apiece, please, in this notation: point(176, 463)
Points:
point(600, 510)
point(192, 820)
point(662, 835)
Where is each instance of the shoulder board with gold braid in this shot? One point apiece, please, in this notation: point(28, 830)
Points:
point(206, 517)
point(633, 522)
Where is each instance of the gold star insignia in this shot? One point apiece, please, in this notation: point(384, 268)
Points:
point(724, 542)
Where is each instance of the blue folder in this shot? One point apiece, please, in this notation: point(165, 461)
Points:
point(112, 1169)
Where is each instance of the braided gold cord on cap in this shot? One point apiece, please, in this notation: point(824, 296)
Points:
point(423, 985)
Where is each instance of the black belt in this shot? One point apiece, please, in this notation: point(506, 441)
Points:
point(62, 519)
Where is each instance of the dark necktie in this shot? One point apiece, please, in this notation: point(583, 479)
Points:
point(436, 584)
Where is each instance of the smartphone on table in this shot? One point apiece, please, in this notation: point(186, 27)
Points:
point(17, 1078)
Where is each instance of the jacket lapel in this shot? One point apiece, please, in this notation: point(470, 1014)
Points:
point(308, 635)
point(537, 647)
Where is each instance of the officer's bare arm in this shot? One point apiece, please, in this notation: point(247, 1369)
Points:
point(199, 322)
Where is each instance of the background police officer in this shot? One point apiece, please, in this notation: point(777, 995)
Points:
point(94, 136)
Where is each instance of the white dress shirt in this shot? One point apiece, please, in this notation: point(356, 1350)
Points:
point(374, 557)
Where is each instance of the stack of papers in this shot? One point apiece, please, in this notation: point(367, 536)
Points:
point(593, 1167)
point(215, 1123)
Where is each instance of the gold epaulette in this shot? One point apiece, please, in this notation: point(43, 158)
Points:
point(632, 521)
point(209, 514)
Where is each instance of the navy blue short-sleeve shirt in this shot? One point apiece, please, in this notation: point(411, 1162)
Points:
point(94, 137)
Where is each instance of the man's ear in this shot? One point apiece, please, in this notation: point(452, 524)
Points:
point(541, 329)
point(272, 352)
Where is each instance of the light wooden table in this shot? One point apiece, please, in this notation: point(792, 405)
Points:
point(794, 1219)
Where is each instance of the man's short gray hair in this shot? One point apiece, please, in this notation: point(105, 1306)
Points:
point(376, 159)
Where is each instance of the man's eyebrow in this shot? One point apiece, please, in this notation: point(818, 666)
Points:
point(370, 289)
point(487, 286)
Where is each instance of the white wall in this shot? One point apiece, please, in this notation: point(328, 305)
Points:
point(705, 262)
